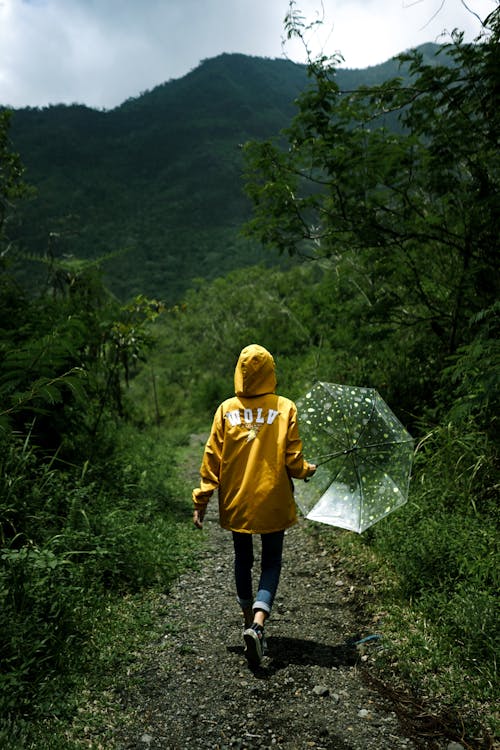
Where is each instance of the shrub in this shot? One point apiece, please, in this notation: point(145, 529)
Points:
point(443, 545)
point(71, 540)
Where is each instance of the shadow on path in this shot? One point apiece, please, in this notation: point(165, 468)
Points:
point(283, 651)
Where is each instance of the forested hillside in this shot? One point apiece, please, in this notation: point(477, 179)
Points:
point(159, 179)
point(384, 205)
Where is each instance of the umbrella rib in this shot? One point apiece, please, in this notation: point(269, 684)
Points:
point(328, 456)
point(366, 423)
point(384, 443)
point(360, 486)
point(390, 475)
point(336, 455)
point(349, 434)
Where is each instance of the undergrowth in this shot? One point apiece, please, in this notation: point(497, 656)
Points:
point(81, 555)
point(433, 569)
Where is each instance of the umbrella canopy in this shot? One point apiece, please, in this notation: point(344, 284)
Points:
point(363, 453)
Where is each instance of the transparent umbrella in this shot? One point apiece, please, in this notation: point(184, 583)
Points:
point(363, 453)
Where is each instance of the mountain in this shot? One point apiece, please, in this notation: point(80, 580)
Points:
point(158, 179)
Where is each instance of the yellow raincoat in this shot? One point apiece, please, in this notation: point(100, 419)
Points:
point(253, 450)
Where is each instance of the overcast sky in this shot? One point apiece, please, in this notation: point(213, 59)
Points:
point(101, 52)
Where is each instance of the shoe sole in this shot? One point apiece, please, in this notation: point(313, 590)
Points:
point(253, 647)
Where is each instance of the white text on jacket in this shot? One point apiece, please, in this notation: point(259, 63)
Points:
point(251, 415)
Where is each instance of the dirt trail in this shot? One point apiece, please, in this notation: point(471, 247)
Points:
point(194, 689)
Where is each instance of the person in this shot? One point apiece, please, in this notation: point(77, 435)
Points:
point(253, 452)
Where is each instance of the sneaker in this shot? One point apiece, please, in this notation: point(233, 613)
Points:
point(263, 643)
point(255, 644)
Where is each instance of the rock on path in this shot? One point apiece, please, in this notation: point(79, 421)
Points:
point(195, 690)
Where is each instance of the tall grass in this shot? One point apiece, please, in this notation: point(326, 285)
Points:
point(437, 563)
point(72, 544)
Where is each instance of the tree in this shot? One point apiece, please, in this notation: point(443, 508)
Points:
point(11, 171)
point(64, 352)
point(411, 213)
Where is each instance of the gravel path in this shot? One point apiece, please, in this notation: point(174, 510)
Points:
point(193, 690)
point(196, 690)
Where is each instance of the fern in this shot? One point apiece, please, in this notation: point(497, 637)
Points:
point(473, 371)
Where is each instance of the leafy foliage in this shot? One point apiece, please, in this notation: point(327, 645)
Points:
point(408, 219)
point(65, 357)
point(443, 555)
point(400, 229)
point(70, 543)
point(402, 205)
point(81, 520)
point(12, 185)
point(473, 372)
point(155, 184)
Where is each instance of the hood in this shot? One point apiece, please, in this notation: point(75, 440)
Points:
point(254, 374)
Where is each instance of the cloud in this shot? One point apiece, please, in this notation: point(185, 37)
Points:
point(101, 52)
point(367, 32)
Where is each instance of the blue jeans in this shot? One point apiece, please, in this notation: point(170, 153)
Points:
point(270, 569)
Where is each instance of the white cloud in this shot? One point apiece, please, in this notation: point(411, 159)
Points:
point(367, 32)
point(100, 52)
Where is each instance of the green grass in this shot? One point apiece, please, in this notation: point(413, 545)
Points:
point(429, 575)
point(145, 541)
point(416, 659)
